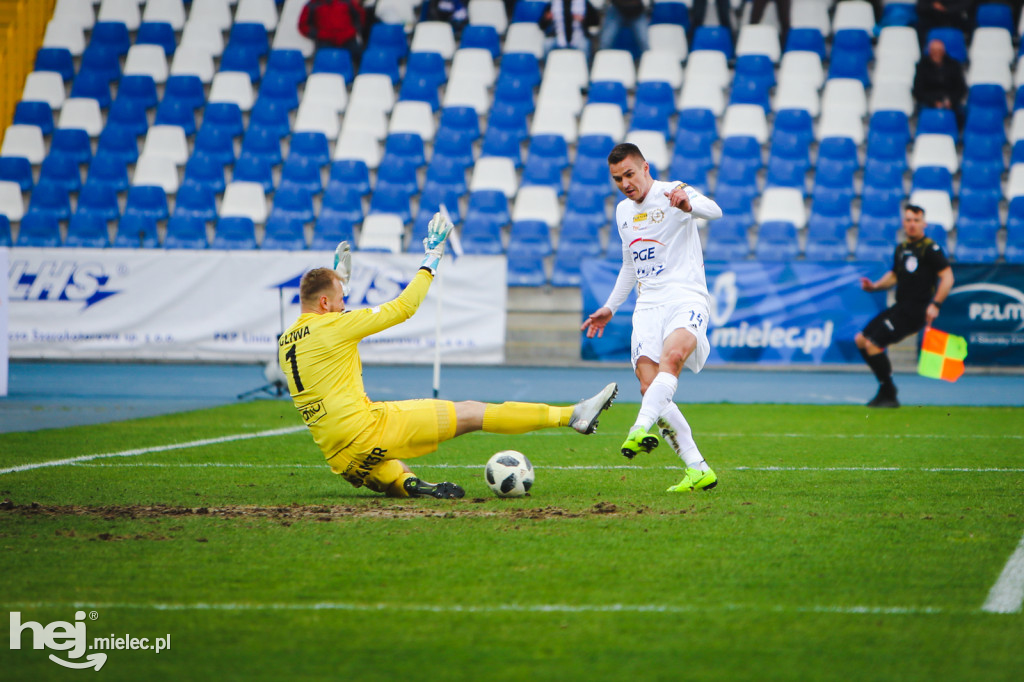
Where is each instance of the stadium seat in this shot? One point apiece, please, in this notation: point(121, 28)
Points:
point(382, 232)
point(934, 150)
point(262, 143)
point(713, 38)
point(352, 173)
point(727, 239)
point(169, 11)
point(854, 14)
point(139, 89)
point(18, 170)
point(932, 177)
point(100, 200)
point(981, 179)
point(391, 201)
point(976, 228)
point(72, 143)
point(158, 33)
point(61, 172)
point(667, 37)
point(195, 201)
point(136, 232)
point(234, 87)
point(5, 231)
point(203, 34)
point(497, 173)
point(434, 36)
point(782, 204)
point(235, 233)
point(38, 230)
point(537, 203)
point(37, 114)
point(101, 62)
point(188, 233)
point(245, 199)
point(1014, 251)
point(805, 39)
point(389, 37)
point(173, 111)
point(342, 202)
point(335, 61)
point(289, 63)
point(937, 205)
point(148, 200)
point(157, 171)
point(254, 169)
point(12, 204)
point(48, 86)
point(876, 237)
point(58, 59)
point(147, 60)
point(777, 241)
point(530, 237)
point(381, 61)
point(87, 230)
point(481, 236)
point(490, 206)
point(283, 234)
point(329, 230)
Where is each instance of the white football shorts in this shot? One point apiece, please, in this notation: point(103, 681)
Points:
point(651, 326)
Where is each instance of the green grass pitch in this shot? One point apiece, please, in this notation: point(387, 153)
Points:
point(840, 544)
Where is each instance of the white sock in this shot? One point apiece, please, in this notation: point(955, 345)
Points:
point(683, 443)
point(658, 395)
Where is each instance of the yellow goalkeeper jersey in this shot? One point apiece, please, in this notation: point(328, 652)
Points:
point(320, 358)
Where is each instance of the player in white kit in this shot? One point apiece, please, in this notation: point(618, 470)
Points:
point(661, 255)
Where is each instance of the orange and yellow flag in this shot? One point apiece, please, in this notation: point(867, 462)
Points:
point(942, 355)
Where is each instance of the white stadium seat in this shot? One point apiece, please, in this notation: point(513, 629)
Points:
point(244, 199)
point(156, 170)
point(83, 113)
point(66, 34)
point(603, 119)
point(411, 116)
point(653, 146)
point(12, 204)
point(782, 203)
point(257, 12)
point(44, 86)
point(147, 60)
point(232, 86)
point(614, 65)
point(537, 202)
point(434, 36)
point(169, 11)
point(938, 208)
point(495, 172)
point(25, 141)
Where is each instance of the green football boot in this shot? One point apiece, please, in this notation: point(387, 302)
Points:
point(639, 440)
point(695, 479)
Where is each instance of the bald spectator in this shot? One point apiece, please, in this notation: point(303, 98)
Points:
point(939, 81)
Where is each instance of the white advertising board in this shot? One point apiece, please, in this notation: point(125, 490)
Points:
point(229, 306)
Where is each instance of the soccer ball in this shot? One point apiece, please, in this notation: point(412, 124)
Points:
point(509, 474)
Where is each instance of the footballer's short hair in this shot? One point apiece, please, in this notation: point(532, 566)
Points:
point(915, 209)
point(623, 151)
point(314, 283)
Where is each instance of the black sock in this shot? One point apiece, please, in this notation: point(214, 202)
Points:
point(880, 365)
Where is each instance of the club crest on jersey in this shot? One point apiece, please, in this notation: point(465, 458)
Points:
point(657, 215)
point(911, 263)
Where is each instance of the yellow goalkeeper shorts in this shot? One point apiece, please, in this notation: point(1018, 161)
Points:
point(401, 430)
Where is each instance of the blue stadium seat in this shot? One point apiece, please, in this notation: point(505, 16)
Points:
point(262, 143)
point(57, 59)
point(530, 237)
point(481, 236)
point(301, 172)
point(526, 270)
point(419, 231)
point(827, 226)
point(269, 115)
point(203, 170)
point(215, 143)
point(502, 142)
point(757, 68)
point(885, 155)
point(418, 88)
point(279, 88)
point(186, 233)
point(428, 65)
point(585, 209)
point(748, 91)
point(806, 39)
point(447, 173)
point(953, 39)
point(87, 230)
point(289, 62)
point(464, 120)
point(795, 124)
point(334, 60)
point(609, 92)
point(251, 35)
point(789, 159)
point(129, 115)
point(242, 58)
point(590, 177)
point(658, 94)
point(398, 172)
point(976, 229)
point(406, 146)
point(980, 180)
point(982, 150)
point(186, 87)
point(381, 61)
point(109, 170)
point(743, 149)
point(16, 169)
point(98, 199)
point(51, 200)
point(995, 15)
point(888, 126)
point(390, 37)
point(898, 13)
point(5, 231)
point(651, 117)
point(136, 232)
point(933, 177)
point(519, 66)
point(34, 114)
point(139, 88)
point(235, 232)
point(62, 172)
point(578, 234)
point(283, 234)
point(613, 252)
point(566, 269)
point(735, 201)
point(594, 148)
point(552, 149)
point(776, 241)
point(71, 143)
point(391, 200)
point(195, 201)
point(483, 37)
point(937, 121)
point(224, 115)
point(733, 172)
point(252, 168)
point(149, 200)
point(529, 11)
point(834, 177)
point(510, 118)
point(727, 239)
point(113, 34)
point(157, 33)
point(102, 62)
point(713, 38)
point(938, 235)
point(876, 237)
point(1014, 252)
point(987, 96)
point(841, 149)
point(176, 112)
point(330, 229)
point(311, 145)
point(854, 41)
point(342, 202)
point(671, 13)
point(38, 229)
point(352, 173)
point(490, 206)
point(452, 146)
point(435, 194)
point(849, 65)
point(700, 121)
point(94, 85)
point(984, 124)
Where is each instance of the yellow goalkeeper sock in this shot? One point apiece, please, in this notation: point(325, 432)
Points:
point(397, 488)
point(513, 418)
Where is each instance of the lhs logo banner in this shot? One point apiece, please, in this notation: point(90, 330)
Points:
point(986, 307)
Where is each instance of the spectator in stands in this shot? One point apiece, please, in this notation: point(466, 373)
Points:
point(453, 12)
point(566, 22)
point(941, 13)
point(626, 14)
point(700, 10)
point(939, 82)
point(923, 278)
point(781, 8)
point(335, 23)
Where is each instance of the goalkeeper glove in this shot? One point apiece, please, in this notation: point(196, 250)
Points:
point(343, 264)
point(437, 232)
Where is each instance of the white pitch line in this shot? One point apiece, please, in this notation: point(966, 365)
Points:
point(156, 448)
point(580, 467)
point(484, 608)
point(1007, 595)
point(855, 436)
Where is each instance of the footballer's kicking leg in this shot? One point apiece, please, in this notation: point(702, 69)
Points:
point(516, 417)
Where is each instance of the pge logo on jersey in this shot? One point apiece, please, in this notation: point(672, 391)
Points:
point(62, 636)
point(83, 282)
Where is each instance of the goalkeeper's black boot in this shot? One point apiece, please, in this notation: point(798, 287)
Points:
point(886, 396)
point(442, 491)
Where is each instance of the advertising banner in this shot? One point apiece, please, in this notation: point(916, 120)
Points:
point(4, 316)
point(229, 306)
point(986, 307)
point(766, 313)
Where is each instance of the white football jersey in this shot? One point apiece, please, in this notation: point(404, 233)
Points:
point(661, 250)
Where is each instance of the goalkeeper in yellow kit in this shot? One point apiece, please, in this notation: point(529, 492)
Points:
point(364, 441)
